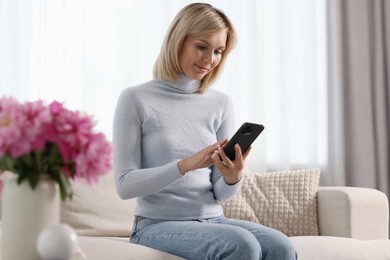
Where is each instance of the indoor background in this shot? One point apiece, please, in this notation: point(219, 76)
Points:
point(315, 73)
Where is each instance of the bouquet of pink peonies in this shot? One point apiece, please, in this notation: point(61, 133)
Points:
point(38, 139)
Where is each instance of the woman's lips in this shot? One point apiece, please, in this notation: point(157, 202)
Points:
point(202, 69)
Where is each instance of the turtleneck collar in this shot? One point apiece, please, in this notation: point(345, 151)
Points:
point(184, 84)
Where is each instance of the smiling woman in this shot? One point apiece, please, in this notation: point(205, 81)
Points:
point(168, 138)
point(201, 53)
point(203, 44)
point(86, 52)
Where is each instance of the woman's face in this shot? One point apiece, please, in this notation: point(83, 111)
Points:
point(201, 53)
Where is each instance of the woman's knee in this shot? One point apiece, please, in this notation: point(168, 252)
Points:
point(281, 247)
point(286, 250)
point(238, 244)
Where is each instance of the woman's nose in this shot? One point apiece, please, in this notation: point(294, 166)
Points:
point(208, 57)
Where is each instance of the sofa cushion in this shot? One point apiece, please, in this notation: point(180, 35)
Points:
point(325, 248)
point(97, 210)
point(114, 248)
point(285, 200)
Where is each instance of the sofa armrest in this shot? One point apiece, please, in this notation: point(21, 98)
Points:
point(360, 213)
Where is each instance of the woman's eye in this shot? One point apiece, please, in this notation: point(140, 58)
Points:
point(201, 47)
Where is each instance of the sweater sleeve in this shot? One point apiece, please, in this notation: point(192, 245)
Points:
point(130, 180)
point(223, 191)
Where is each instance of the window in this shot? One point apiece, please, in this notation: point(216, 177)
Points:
point(85, 52)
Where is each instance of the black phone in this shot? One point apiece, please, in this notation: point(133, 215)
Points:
point(244, 137)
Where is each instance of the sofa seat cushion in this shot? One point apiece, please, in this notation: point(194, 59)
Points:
point(308, 248)
point(117, 248)
point(339, 248)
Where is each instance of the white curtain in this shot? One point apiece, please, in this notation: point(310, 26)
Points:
point(84, 52)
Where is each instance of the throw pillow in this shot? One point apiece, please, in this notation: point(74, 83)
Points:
point(284, 200)
point(97, 210)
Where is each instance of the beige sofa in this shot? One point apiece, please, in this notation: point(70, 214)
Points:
point(349, 223)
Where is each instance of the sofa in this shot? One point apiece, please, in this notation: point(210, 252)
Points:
point(322, 222)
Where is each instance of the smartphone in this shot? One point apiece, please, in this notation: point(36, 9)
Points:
point(244, 137)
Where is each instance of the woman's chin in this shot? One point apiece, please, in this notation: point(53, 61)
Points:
point(196, 76)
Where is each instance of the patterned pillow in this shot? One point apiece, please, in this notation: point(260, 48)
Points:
point(285, 200)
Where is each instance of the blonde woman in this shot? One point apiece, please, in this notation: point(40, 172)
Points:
point(168, 139)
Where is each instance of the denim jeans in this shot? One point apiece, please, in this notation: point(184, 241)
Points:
point(213, 238)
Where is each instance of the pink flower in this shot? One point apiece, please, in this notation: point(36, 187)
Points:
point(35, 117)
point(58, 140)
point(72, 127)
point(87, 165)
point(11, 120)
point(56, 108)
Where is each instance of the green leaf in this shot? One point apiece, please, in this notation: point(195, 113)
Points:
point(48, 161)
point(7, 163)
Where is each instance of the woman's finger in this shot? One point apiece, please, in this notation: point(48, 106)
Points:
point(247, 152)
point(213, 147)
point(238, 153)
point(225, 159)
point(217, 160)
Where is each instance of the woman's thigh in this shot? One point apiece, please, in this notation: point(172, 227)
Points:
point(274, 244)
point(197, 239)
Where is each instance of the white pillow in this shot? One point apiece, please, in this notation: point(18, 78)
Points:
point(97, 210)
point(285, 200)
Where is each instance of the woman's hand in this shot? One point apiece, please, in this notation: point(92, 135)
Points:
point(201, 159)
point(230, 170)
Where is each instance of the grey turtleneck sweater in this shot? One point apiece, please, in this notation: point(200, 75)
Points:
point(158, 123)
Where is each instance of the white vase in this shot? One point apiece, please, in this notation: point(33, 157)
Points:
point(25, 213)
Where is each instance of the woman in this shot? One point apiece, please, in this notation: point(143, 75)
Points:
point(168, 140)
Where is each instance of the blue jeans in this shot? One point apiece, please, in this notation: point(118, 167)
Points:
point(213, 238)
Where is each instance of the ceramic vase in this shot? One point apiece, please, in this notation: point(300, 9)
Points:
point(25, 213)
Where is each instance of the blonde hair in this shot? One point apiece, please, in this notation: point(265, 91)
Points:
point(196, 18)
